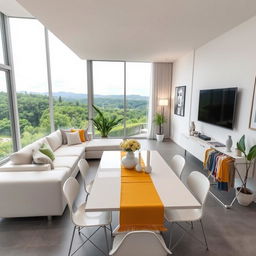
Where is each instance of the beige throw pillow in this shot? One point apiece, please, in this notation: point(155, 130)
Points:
point(40, 158)
point(73, 138)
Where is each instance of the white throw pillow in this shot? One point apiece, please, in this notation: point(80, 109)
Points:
point(54, 140)
point(73, 138)
point(24, 156)
point(40, 158)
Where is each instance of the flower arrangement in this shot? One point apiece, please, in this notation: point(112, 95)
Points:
point(130, 145)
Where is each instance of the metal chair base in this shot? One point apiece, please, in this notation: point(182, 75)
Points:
point(88, 239)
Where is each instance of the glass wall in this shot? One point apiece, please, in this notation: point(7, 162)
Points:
point(122, 89)
point(29, 57)
point(69, 86)
point(138, 82)
point(6, 144)
point(108, 92)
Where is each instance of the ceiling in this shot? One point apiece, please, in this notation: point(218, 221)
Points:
point(138, 30)
point(14, 9)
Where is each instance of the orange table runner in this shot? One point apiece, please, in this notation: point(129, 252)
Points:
point(140, 206)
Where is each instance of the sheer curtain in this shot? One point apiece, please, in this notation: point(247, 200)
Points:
point(160, 89)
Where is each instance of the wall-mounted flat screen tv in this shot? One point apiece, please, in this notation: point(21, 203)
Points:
point(217, 106)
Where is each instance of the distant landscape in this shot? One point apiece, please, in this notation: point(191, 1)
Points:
point(70, 110)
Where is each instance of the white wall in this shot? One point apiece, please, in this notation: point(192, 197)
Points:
point(227, 61)
point(182, 75)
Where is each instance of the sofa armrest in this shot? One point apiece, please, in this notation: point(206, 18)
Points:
point(9, 167)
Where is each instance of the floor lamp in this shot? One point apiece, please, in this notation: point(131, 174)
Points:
point(163, 103)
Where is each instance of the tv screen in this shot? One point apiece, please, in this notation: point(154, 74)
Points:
point(217, 106)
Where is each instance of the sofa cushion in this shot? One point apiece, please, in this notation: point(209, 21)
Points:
point(76, 150)
point(10, 167)
point(81, 134)
point(65, 161)
point(46, 150)
point(40, 158)
point(24, 156)
point(103, 144)
point(73, 138)
point(54, 140)
point(64, 136)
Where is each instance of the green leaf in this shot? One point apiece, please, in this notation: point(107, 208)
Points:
point(241, 144)
point(252, 153)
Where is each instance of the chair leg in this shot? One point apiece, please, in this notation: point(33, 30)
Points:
point(111, 230)
point(192, 225)
point(170, 234)
point(79, 230)
point(204, 235)
point(70, 247)
point(105, 231)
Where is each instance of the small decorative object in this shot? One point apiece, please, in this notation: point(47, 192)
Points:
point(229, 144)
point(130, 146)
point(244, 195)
point(238, 152)
point(148, 168)
point(159, 120)
point(179, 104)
point(253, 109)
point(192, 129)
point(138, 166)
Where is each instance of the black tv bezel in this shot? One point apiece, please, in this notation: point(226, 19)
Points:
point(234, 111)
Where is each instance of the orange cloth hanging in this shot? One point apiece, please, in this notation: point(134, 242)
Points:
point(140, 206)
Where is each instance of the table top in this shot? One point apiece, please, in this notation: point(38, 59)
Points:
point(105, 193)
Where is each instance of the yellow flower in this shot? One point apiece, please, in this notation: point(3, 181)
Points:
point(130, 145)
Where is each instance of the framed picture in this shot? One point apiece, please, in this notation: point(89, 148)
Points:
point(252, 124)
point(179, 103)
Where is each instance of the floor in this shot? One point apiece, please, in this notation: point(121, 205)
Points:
point(229, 232)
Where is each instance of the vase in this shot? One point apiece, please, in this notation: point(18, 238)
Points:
point(229, 144)
point(192, 129)
point(129, 161)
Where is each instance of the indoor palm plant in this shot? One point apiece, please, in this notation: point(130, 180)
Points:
point(159, 120)
point(245, 196)
point(104, 124)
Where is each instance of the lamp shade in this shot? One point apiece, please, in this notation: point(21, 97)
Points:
point(163, 102)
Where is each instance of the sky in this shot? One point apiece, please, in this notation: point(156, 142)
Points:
point(67, 70)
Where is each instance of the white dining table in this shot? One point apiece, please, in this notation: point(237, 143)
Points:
point(105, 193)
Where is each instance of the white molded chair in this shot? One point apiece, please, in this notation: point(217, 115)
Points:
point(141, 243)
point(199, 186)
point(81, 218)
point(88, 181)
point(177, 164)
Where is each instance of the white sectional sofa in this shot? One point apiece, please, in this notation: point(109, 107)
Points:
point(28, 189)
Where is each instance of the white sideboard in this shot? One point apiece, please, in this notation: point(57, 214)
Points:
point(197, 147)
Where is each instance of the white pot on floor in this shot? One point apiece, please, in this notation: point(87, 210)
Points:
point(244, 199)
point(159, 137)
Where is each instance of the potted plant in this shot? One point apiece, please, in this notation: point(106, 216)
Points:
point(245, 196)
point(159, 120)
point(103, 123)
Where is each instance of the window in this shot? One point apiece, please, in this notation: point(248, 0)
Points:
point(6, 145)
point(108, 88)
point(69, 86)
point(138, 81)
point(29, 57)
point(125, 99)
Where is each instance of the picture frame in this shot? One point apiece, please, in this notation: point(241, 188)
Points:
point(252, 123)
point(180, 100)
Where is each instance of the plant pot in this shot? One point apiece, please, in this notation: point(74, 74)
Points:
point(159, 137)
point(244, 199)
point(129, 161)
